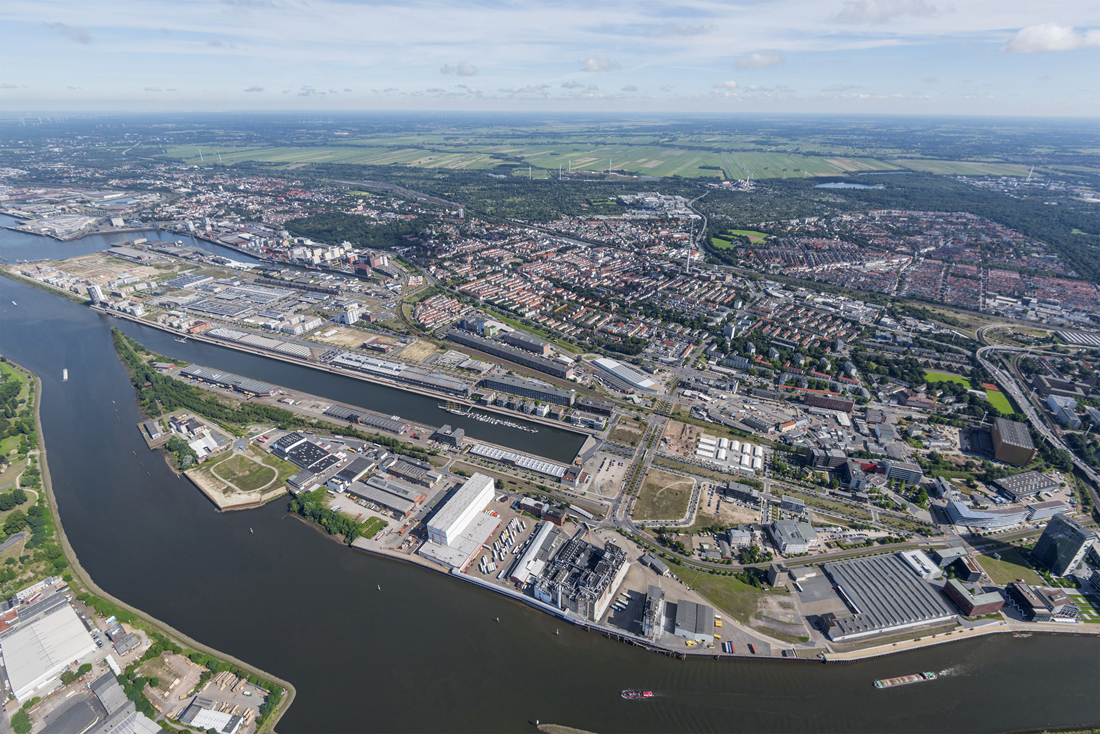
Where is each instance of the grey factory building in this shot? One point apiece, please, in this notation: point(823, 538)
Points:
point(529, 389)
point(226, 380)
point(1027, 484)
point(393, 495)
point(792, 537)
point(497, 349)
point(653, 615)
point(526, 342)
point(884, 595)
point(694, 621)
point(582, 578)
point(366, 419)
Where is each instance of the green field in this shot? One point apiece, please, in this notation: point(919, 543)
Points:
point(723, 244)
point(373, 526)
point(753, 236)
point(1090, 606)
point(931, 376)
point(999, 401)
point(245, 474)
point(1010, 567)
point(727, 593)
point(664, 496)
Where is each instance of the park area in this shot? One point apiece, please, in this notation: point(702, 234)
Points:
point(993, 394)
point(1010, 566)
point(664, 496)
point(242, 478)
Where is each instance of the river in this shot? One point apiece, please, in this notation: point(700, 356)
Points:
point(424, 653)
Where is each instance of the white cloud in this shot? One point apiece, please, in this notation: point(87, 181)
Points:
point(462, 68)
point(726, 85)
point(761, 60)
point(596, 63)
point(254, 89)
point(153, 89)
point(5, 85)
point(571, 85)
point(77, 34)
point(1051, 37)
point(629, 88)
point(840, 88)
point(880, 11)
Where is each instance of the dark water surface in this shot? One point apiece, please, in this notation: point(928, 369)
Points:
point(424, 654)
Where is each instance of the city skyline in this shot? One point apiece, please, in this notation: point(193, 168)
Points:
point(789, 56)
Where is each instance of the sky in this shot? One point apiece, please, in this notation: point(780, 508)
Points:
point(938, 57)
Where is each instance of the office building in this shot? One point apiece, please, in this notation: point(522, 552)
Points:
point(1063, 545)
point(946, 556)
point(1042, 605)
point(96, 294)
point(921, 564)
point(1012, 442)
point(449, 436)
point(535, 389)
point(965, 569)
point(792, 538)
point(973, 604)
point(908, 473)
point(960, 514)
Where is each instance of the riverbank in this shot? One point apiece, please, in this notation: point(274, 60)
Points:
point(81, 579)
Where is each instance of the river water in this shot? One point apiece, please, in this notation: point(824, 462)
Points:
point(424, 653)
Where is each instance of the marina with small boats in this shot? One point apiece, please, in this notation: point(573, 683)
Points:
point(453, 409)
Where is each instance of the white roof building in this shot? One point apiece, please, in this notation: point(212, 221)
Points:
point(453, 517)
point(38, 652)
point(623, 377)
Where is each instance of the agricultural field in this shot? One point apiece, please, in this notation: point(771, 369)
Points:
point(664, 496)
point(1010, 567)
point(964, 168)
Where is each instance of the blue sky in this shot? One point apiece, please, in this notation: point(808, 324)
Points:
point(984, 57)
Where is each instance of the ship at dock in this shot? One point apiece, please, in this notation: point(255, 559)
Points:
point(455, 409)
point(904, 680)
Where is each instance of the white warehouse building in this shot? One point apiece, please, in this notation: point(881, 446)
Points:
point(453, 517)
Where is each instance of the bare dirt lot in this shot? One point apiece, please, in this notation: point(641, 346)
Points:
point(346, 337)
point(664, 496)
point(419, 351)
point(609, 477)
point(679, 438)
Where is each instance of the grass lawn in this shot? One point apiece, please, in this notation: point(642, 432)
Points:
point(10, 373)
point(1012, 566)
point(627, 432)
point(285, 469)
point(722, 244)
point(931, 376)
point(753, 236)
point(245, 474)
point(999, 401)
point(10, 443)
point(727, 593)
point(664, 496)
point(373, 526)
point(1090, 606)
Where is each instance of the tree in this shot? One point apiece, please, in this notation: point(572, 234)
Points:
point(21, 722)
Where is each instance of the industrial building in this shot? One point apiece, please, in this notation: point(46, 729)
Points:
point(395, 496)
point(624, 378)
point(399, 372)
point(582, 578)
point(529, 389)
point(1063, 545)
point(459, 528)
point(202, 715)
point(115, 713)
point(959, 514)
point(823, 401)
point(792, 538)
point(390, 425)
point(413, 471)
point(1021, 486)
point(743, 493)
point(540, 549)
point(694, 621)
point(1012, 442)
point(970, 603)
point(457, 512)
point(655, 563)
point(946, 556)
point(884, 595)
point(1042, 605)
point(653, 614)
point(521, 460)
point(526, 342)
point(229, 381)
point(921, 564)
point(556, 367)
point(46, 637)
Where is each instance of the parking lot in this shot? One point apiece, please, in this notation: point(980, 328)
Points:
point(610, 475)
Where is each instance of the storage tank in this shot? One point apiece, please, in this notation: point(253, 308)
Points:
point(723, 443)
point(758, 451)
point(721, 454)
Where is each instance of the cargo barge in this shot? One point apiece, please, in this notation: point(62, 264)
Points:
point(904, 680)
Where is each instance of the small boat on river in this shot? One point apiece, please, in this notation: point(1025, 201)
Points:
point(904, 680)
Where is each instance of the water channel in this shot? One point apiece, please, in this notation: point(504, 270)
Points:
point(424, 653)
